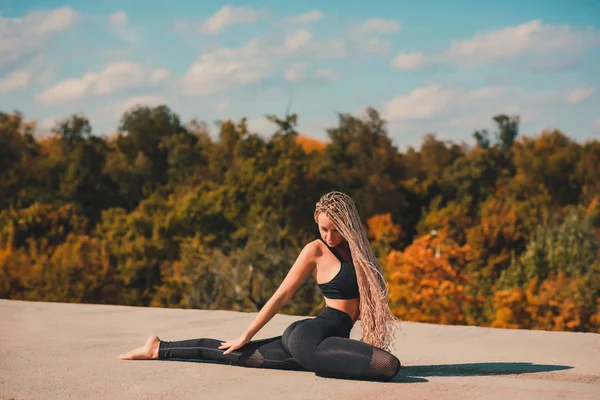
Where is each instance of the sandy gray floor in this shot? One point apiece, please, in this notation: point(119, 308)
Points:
point(69, 351)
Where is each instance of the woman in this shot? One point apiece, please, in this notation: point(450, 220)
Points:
point(353, 284)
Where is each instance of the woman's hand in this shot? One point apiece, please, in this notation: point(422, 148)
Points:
point(234, 344)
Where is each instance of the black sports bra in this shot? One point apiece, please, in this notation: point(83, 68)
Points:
point(344, 284)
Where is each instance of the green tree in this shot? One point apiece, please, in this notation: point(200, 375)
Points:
point(141, 132)
point(243, 278)
point(362, 161)
point(73, 130)
point(18, 153)
point(570, 247)
point(508, 130)
point(550, 161)
point(48, 222)
point(588, 169)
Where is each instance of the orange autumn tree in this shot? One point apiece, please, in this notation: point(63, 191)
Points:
point(453, 218)
point(427, 281)
point(556, 304)
point(310, 144)
point(383, 233)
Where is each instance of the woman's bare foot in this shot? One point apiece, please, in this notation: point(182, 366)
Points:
point(148, 351)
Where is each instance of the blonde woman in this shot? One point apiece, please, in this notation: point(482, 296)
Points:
point(352, 283)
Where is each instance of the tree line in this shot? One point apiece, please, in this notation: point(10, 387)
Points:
point(502, 232)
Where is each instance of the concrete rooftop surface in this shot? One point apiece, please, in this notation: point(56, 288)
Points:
point(70, 351)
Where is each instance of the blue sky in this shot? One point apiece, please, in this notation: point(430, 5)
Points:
point(428, 67)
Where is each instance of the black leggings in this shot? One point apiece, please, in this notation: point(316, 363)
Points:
point(320, 344)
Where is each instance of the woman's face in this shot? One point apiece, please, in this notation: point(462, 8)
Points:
point(328, 232)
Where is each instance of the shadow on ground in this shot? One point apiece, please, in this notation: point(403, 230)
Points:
point(473, 369)
point(417, 374)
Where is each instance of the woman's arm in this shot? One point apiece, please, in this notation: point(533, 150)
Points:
point(304, 264)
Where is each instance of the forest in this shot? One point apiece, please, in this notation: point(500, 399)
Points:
point(501, 232)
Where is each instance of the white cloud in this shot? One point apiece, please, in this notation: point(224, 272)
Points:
point(221, 69)
point(468, 109)
point(223, 105)
point(158, 75)
point(299, 72)
point(295, 41)
point(22, 36)
point(375, 45)
point(422, 103)
point(454, 112)
point(115, 77)
point(485, 47)
point(579, 95)
point(364, 37)
point(46, 23)
point(296, 73)
point(15, 81)
point(306, 18)
point(455, 104)
point(545, 46)
point(118, 21)
point(408, 61)
point(329, 50)
point(300, 44)
point(224, 68)
point(119, 76)
point(65, 91)
point(356, 40)
point(378, 25)
point(327, 74)
point(118, 18)
point(227, 16)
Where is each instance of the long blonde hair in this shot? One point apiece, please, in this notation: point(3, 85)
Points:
point(377, 320)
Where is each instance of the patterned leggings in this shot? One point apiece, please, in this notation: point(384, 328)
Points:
point(320, 344)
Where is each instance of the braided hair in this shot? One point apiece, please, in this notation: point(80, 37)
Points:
point(377, 320)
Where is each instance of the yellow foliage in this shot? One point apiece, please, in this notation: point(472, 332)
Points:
point(502, 230)
point(556, 304)
point(381, 227)
point(427, 281)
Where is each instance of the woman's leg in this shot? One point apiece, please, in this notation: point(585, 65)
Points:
point(338, 357)
point(324, 347)
point(264, 353)
point(320, 344)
